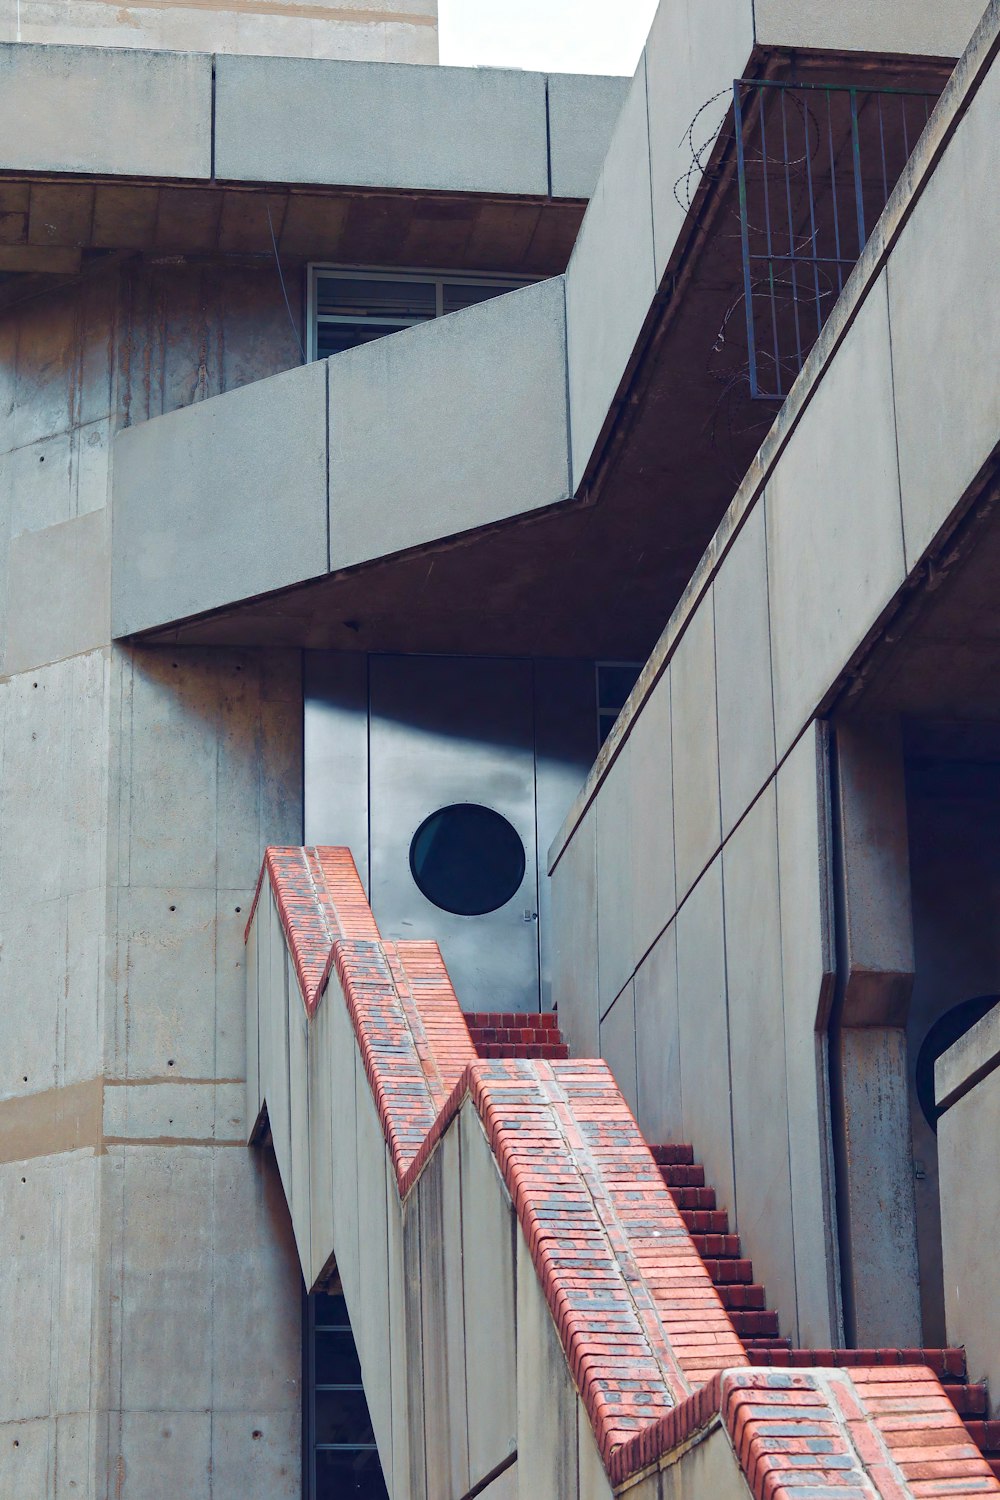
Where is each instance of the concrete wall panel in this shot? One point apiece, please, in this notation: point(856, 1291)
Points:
point(444, 1320)
point(593, 1479)
point(945, 317)
point(181, 547)
point(321, 1135)
point(345, 1152)
point(611, 280)
point(615, 876)
point(743, 672)
point(402, 469)
point(371, 1322)
point(582, 116)
point(547, 1443)
point(695, 749)
point(574, 956)
point(399, 1460)
point(476, 130)
point(298, 1113)
point(488, 1230)
point(847, 552)
point(704, 1025)
point(654, 895)
point(807, 966)
point(757, 1042)
point(660, 1110)
point(618, 1044)
point(693, 53)
point(128, 112)
point(926, 27)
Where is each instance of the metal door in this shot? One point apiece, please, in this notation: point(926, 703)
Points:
point(447, 731)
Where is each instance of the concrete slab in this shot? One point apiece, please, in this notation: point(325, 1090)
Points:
point(127, 112)
point(488, 1230)
point(400, 1456)
point(371, 1321)
point(415, 1481)
point(743, 672)
point(582, 115)
point(944, 313)
point(238, 505)
point(807, 969)
point(654, 892)
point(475, 130)
point(167, 983)
point(924, 28)
point(833, 522)
point(402, 470)
point(346, 1188)
point(321, 1135)
point(546, 1396)
point(703, 1019)
point(761, 1125)
point(693, 53)
point(443, 1321)
point(660, 1110)
point(618, 1044)
point(695, 748)
point(615, 956)
point(574, 955)
point(298, 1111)
point(593, 1479)
point(610, 280)
point(160, 1450)
point(256, 1452)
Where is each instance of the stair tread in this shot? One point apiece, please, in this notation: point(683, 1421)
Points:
point(677, 1155)
point(717, 1246)
point(705, 1220)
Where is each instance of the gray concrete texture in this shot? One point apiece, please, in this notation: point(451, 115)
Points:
point(751, 659)
point(384, 30)
point(118, 111)
point(970, 1199)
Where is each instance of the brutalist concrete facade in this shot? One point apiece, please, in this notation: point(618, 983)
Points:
point(741, 906)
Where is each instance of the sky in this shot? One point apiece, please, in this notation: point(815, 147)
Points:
point(555, 36)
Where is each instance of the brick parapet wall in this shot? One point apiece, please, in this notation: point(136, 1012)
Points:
point(652, 1350)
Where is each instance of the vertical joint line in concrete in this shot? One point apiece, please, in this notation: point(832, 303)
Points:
point(570, 476)
point(649, 160)
point(895, 423)
point(548, 138)
point(212, 126)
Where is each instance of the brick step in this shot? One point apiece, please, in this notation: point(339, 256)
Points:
point(683, 1176)
point(969, 1400)
point(986, 1436)
point(750, 1298)
point(694, 1197)
point(673, 1156)
point(717, 1246)
point(704, 1221)
point(497, 1020)
point(552, 1051)
point(766, 1346)
point(729, 1272)
point(947, 1364)
point(755, 1325)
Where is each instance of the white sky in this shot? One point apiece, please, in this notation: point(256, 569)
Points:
point(554, 36)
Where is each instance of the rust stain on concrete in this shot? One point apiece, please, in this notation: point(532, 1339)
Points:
point(52, 1122)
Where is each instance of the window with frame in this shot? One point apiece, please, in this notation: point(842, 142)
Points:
point(341, 1457)
point(348, 306)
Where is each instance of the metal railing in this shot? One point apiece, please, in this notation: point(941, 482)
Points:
point(816, 164)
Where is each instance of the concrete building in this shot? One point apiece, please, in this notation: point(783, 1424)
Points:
point(499, 758)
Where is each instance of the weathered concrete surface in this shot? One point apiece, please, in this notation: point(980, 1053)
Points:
point(381, 31)
point(968, 1086)
point(125, 112)
point(925, 28)
point(582, 115)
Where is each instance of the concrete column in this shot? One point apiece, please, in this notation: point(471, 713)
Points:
point(876, 1206)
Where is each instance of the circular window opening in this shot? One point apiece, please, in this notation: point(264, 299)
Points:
point(467, 859)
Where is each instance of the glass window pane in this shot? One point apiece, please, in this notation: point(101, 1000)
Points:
point(342, 1417)
point(360, 297)
point(356, 1475)
point(337, 1360)
point(615, 680)
point(334, 338)
point(330, 1310)
point(467, 859)
point(459, 294)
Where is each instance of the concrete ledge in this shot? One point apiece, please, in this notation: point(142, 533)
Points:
point(476, 130)
point(971, 1059)
point(105, 110)
point(918, 28)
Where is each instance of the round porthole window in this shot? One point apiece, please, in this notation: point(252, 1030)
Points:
point(467, 859)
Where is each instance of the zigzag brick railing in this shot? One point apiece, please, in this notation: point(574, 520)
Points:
point(652, 1350)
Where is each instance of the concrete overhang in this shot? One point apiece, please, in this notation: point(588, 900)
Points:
point(432, 513)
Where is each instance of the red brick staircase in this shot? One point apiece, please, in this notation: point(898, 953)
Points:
point(508, 1034)
point(757, 1325)
point(511, 1034)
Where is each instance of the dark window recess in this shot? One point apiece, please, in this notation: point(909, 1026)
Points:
point(342, 1459)
point(615, 680)
point(352, 307)
point(467, 859)
point(945, 1032)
